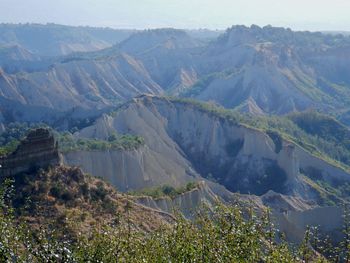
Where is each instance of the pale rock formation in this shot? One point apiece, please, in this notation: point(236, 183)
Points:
point(184, 142)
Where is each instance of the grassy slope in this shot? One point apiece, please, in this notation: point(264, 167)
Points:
point(74, 201)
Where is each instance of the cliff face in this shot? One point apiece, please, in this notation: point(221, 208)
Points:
point(37, 150)
point(329, 220)
point(136, 169)
point(187, 203)
point(184, 142)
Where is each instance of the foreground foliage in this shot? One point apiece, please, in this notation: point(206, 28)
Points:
point(224, 234)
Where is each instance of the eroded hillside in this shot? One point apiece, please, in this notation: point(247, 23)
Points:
point(185, 142)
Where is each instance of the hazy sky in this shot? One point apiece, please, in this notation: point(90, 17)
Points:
point(297, 14)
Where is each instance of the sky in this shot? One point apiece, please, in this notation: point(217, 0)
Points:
point(310, 15)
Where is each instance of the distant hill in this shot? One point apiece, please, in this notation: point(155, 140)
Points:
point(276, 69)
point(56, 40)
point(345, 33)
point(204, 34)
point(265, 70)
point(145, 41)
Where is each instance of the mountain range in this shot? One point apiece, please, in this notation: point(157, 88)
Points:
point(257, 70)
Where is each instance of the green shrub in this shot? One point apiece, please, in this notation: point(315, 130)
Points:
point(99, 193)
point(67, 143)
point(165, 190)
point(169, 190)
point(56, 191)
point(67, 196)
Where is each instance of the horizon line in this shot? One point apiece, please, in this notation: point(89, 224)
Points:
point(170, 27)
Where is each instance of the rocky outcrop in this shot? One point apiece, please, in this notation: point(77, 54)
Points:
point(38, 150)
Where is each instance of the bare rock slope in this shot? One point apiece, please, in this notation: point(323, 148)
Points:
point(185, 142)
